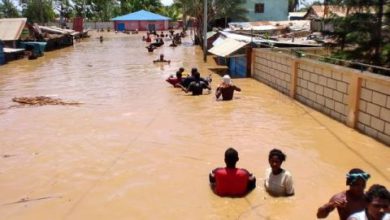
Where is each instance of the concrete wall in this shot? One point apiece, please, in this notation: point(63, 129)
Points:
point(274, 10)
point(359, 99)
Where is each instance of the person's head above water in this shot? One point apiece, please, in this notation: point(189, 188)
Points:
point(355, 174)
point(178, 74)
point(181, 69)
point(231, 157)
point(378, 199)
point(226, 79)
point(356, 180)
point(193, 71)
point(275, 159)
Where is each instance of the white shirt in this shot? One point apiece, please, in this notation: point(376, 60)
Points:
point(362, 216)
point(278, 185)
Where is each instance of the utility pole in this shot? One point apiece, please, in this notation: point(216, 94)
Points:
point(205, 31)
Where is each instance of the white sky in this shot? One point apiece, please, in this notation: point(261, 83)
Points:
point(167, 2)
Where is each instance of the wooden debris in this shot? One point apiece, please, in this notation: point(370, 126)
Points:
point(42, 100)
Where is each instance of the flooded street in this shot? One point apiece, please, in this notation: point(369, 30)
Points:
point(139, 149)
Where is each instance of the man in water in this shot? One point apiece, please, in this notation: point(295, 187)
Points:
point(378, 199)
point(189, 79)
point(176, 81)
point(226, 89)
point(349, 201)
point(161, 59)
point(231, 181)
point(196, 86)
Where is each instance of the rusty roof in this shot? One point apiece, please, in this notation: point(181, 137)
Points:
point(11, 28)
point(319, 11)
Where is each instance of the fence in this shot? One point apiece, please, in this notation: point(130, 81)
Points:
point(359, 99)
point(88, 25)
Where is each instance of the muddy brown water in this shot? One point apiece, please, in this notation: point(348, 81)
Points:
point(139, 149)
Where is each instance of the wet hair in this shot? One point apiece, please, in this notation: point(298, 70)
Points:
point(178, 74)
point(231, 157)
point(278, 153)
point(355, 174)
point(181, 69)
point(377, 191)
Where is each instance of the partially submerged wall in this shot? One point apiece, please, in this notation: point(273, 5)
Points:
point(359, 99)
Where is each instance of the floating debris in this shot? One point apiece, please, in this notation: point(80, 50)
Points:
point(42, 100)
point(27, 199)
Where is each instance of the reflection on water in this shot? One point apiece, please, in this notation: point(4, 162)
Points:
point(140, 149)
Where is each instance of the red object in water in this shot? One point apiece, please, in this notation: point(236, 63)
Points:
point(78, 24)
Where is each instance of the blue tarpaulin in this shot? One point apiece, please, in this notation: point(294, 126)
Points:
point(141, 15)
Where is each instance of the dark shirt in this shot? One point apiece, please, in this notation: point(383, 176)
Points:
point(226, 92)
point(186, 82)
point(196, 87)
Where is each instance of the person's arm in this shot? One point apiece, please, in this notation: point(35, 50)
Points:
point(289, 186)
point(327, 208)
point(237, 88)
point(218, 92)
point(251, 182)
point(183, 88)
point(324, 210)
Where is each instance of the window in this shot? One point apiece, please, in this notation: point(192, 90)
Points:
point(259, 8)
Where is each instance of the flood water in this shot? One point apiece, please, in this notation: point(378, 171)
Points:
point(139, 149)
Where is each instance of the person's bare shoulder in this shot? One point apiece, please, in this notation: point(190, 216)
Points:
point(338, 196)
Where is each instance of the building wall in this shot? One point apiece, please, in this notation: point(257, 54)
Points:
point(143, 25)
point(274, 10)
point(359, 99)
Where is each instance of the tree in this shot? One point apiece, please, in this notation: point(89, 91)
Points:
point(361, 35)
point(39, 11)
point(173, 11)
point(230, 9)
point(8, 9)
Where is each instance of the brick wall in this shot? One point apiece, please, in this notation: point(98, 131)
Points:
point(274, 70)
point(323, 89)
point(374, 110)
point(359, 99)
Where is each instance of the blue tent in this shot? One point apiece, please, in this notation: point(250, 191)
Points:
point(141, 15)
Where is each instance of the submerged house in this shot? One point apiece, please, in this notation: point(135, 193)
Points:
point(141, 20)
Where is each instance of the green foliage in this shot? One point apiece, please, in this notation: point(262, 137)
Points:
point(39, 11)
point(362, 36)
point(173, 11)
point(230, 9)
point(8, 9)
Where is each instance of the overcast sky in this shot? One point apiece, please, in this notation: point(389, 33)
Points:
point(167, 2)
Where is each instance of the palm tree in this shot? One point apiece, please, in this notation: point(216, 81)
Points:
point(230, 9)
point(8, 9)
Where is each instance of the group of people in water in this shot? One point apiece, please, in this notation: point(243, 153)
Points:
point(351, 204)
point(159, 39)
point(196, 84)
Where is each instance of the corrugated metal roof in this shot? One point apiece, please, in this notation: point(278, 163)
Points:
point(141, 15)
point(11, 28)
point(227, 47)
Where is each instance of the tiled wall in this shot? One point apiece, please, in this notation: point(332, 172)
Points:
point(358, 99)
point(274, 70)
point(323, 89)
point(374, 110)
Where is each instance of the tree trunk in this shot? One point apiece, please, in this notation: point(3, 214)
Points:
point(378, 34)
